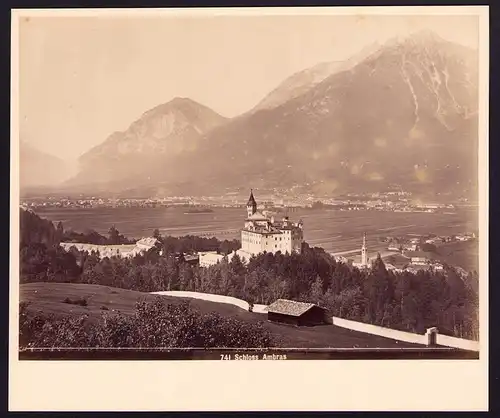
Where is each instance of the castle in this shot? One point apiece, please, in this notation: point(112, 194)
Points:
point(262, 234)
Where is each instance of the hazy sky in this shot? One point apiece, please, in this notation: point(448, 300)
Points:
point(83, 78)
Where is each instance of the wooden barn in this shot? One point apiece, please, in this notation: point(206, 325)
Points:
point(296, 313)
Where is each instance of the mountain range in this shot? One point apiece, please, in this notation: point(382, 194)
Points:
point(39, 169)
point(403, 114)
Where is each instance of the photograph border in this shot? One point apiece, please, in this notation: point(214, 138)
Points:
point(148, 385)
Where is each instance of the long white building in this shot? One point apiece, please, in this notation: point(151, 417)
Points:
point(124, 251)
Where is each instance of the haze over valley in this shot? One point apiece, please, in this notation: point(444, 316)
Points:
point(401, 115)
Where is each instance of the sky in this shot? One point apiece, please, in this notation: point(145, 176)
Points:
point(83, 78)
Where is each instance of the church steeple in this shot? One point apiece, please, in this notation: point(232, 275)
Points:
point(251, 205)
point(364, 258)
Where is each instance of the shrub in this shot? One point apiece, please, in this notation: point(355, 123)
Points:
point(81, 301)
point(153, 325)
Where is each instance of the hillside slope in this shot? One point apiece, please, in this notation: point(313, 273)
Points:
point(37, 168)
point(48, 298)
point(303, 81)
point(143, 152)
point(405, 116)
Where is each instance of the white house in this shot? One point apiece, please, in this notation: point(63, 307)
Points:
point(418, 257)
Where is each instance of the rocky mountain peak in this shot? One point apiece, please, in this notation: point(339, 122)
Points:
point(398, 113)
point(160, 134)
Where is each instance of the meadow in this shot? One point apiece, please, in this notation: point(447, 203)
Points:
point(48, 298)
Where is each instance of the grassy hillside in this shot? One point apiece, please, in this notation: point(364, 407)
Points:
point(463, 254)
point(49, 298)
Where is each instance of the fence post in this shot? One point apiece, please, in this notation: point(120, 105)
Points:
point(431, 335)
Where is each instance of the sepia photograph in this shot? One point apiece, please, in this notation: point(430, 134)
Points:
point(249, 186)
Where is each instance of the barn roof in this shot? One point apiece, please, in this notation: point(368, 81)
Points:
point(289, 307)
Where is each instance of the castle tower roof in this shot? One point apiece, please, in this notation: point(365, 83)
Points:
point(251, 199)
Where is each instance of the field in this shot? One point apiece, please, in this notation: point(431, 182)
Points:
point(335, 231)
point(49, 298)
point(463, 254)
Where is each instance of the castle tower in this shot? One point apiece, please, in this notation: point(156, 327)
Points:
point(364, 258)
point(251, 205)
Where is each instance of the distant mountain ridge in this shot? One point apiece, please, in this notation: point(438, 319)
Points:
point(302, 81)
point(37, 168)
point(159, 135)
point(402, 114)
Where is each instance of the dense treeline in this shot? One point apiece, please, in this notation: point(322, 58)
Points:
point(35, 230)
point(192, 243)
point(405, 301)
point(154, 324)
point(93, 237)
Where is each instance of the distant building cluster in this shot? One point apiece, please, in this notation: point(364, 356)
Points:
point(415, 259)
point(402, 244)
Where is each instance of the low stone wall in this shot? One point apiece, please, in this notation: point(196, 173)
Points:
point(422, 339)
point(381, 331)
point(443, 340)
point(214, 298)
point(457, 342)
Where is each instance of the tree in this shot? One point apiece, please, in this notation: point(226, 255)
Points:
point(237, 266)
point(114, 236)
point(316, 294)
point(380, 291)
point(59, 231)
